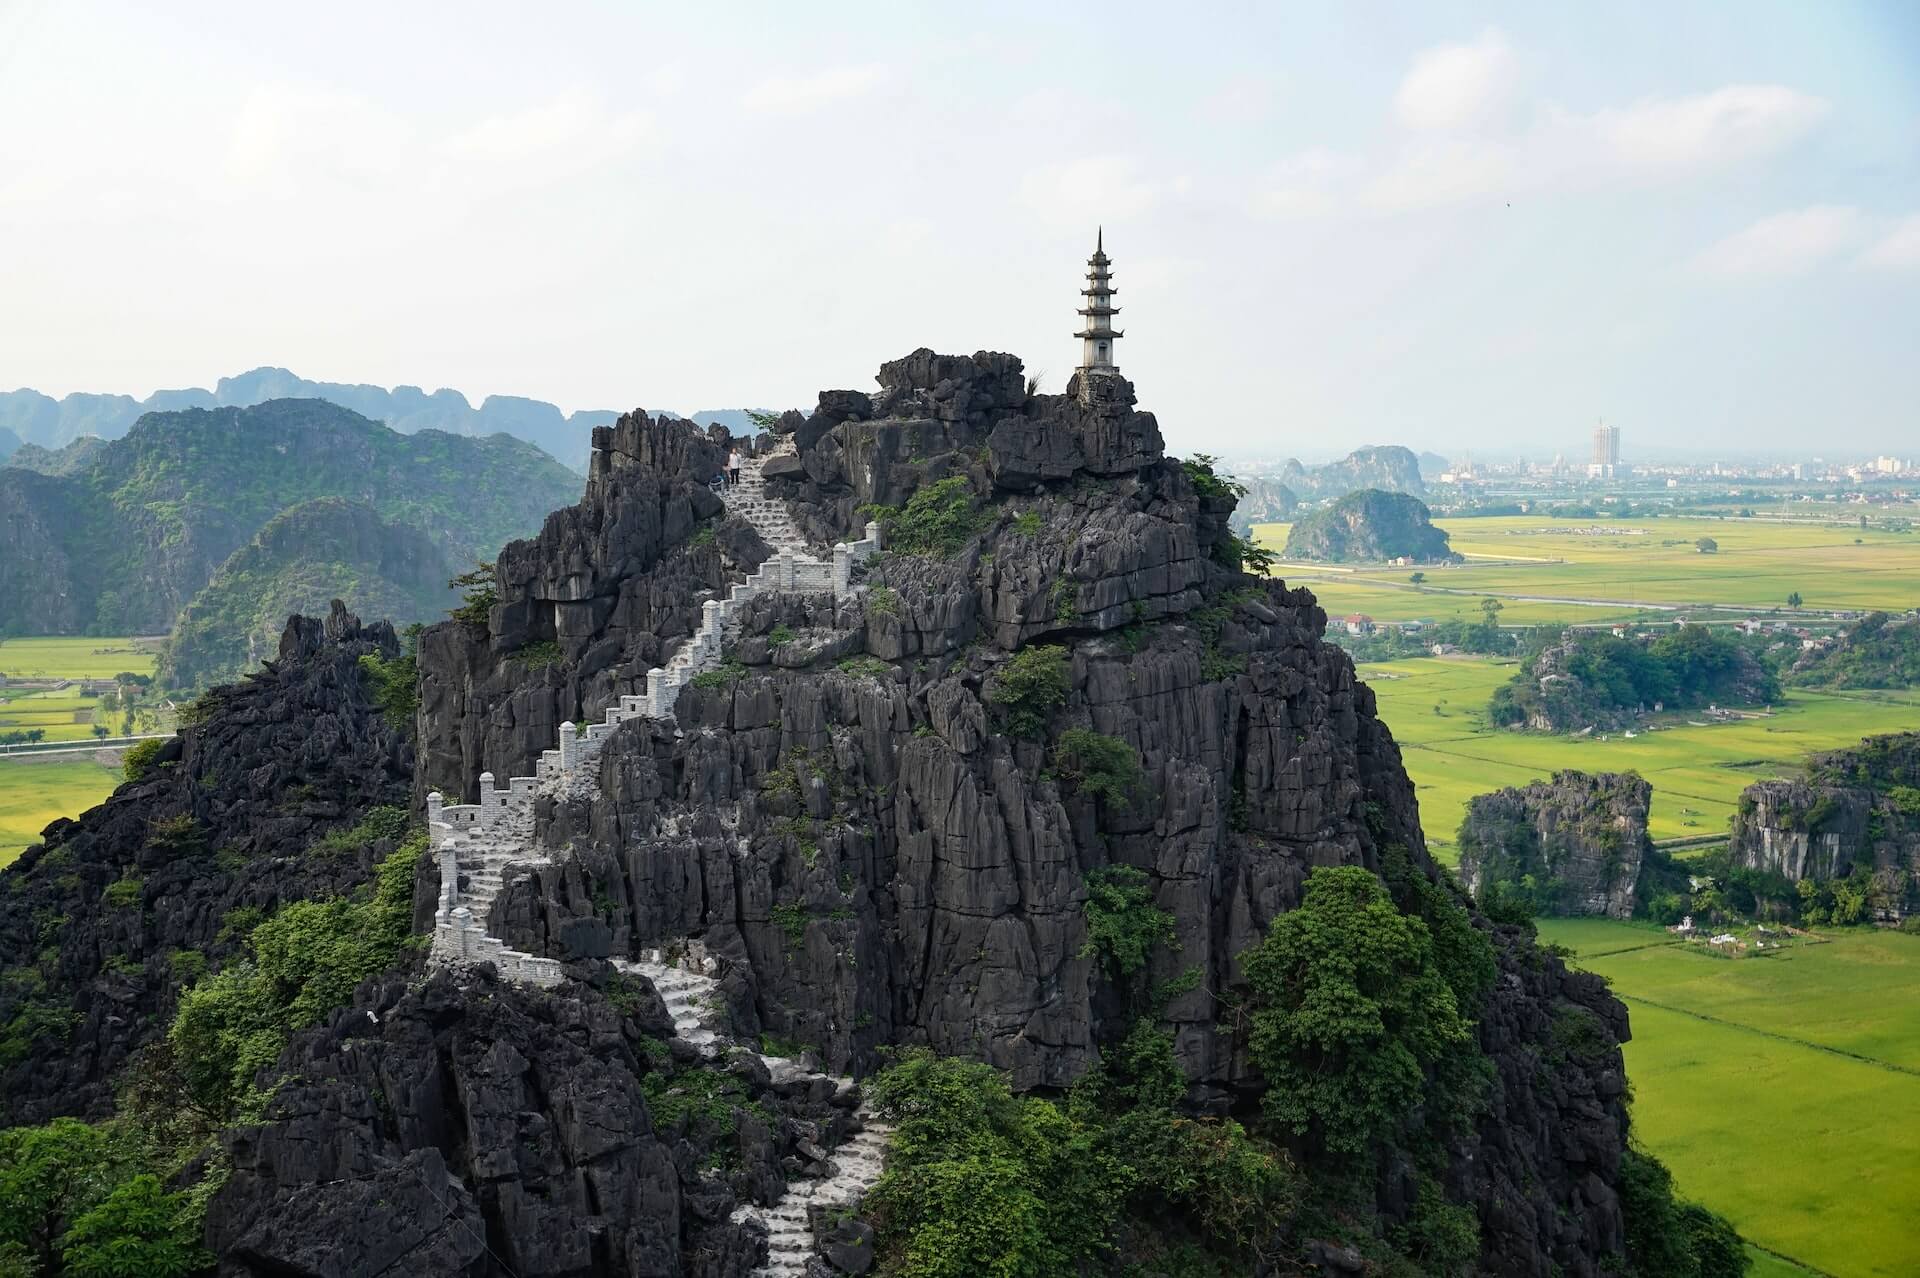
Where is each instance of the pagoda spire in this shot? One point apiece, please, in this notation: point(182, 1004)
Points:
point(1097, 333)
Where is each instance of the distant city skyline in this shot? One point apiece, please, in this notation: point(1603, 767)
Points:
point(1446, 227)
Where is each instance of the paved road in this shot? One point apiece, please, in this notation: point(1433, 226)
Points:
point(77, 747)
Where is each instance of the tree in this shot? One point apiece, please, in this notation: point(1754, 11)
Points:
point(1707, 546)
point(1349, 1011)
point(99, 730)
point(1794, 601)
point(49, 1177)
point(1417, 578)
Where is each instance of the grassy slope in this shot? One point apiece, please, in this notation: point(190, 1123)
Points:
point(1805, 1150)
point(1758, 564)
point(1697, 772)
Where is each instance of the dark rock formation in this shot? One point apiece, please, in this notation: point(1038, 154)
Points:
point(1370, 526)
point(875, 858)
point(1572, 845)
point(1857, 809)
point(615, 583)
point(221, 822)
point(466, 1127)
point(1877, 651)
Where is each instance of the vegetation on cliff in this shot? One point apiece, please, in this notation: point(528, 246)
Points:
point(1878, 651)
point(1369, 526)
point(1592, 679)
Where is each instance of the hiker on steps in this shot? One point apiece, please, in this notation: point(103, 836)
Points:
point(733, 465)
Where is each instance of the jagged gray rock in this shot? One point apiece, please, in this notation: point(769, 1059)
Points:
point(1578, 838)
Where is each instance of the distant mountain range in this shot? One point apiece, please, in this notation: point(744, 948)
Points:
point(29, 417)
point(119, 537)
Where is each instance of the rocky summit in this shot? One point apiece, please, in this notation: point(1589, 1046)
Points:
point(953, 736)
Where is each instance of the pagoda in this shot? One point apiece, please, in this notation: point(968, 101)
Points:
point(1098, 335)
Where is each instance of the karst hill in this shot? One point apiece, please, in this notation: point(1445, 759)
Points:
point(955, 736)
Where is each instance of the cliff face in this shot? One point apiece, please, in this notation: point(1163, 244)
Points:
point(93, 918)
point(849, 819)
point(1370, 526)
point(1579, 839)
point(1858, 809)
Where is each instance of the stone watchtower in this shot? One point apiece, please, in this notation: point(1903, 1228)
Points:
point(1099, 334)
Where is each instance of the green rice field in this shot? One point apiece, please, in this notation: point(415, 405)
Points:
point(81, 658)
point(37, 791)
point(1436, 709)
point(1777, 1089)
point(1631, 567)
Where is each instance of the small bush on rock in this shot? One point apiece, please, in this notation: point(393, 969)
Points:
point(1105, 767)
point(937, 520)
point(1030, 686)
point(1123, 923)
point(138, 760)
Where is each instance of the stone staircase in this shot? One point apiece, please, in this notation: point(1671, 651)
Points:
point(691, 992)
point(477, 844)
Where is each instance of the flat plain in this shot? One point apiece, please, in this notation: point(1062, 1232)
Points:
point(37, 791)
point(1776, 1088)
point(1436, 707)
point(1613, 568)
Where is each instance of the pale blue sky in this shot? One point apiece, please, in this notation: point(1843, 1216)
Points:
point(1443, 225)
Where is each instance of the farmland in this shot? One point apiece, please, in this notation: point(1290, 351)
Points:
point(1767, 1085)
point(1436, 709)
point(36, 791)
point(1634, 568)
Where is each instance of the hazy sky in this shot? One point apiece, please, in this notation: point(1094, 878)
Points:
point(1332, 224)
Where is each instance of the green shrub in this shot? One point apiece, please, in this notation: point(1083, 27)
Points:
point(703, 1098)
point(792, 918)
point(383, 824)
point(305, 963)
point(1199, 471)
point(1442, 1237)
point(724, 675)
point(882, 601)
point(1105, 767)
point(140, 1229)
point(396, 683)
point(866, 668)
point(38, 1020)
point(1027, 523)
point(139, 757)
point(1030, 686)
point(937, 520)
point(1906, 798)
point(1123, 923)
point(480, 591)
point(782, 633)
point(123, 893)
point(1349, 1011)
point(1668, 1238)
point(538, 655)
point(176, 835)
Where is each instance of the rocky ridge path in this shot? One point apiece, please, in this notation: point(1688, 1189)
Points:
point(477, 844)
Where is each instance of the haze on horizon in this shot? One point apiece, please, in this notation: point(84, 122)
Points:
point(1442, 226)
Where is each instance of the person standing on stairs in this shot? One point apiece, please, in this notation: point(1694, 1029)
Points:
point(733, 465)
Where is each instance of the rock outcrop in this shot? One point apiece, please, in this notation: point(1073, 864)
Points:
point(844, 819)
point(1370, 526)
point(870, 823)
point(1572, 845)
point(95, 917)
point(1857, 809)
point(1388, 467)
